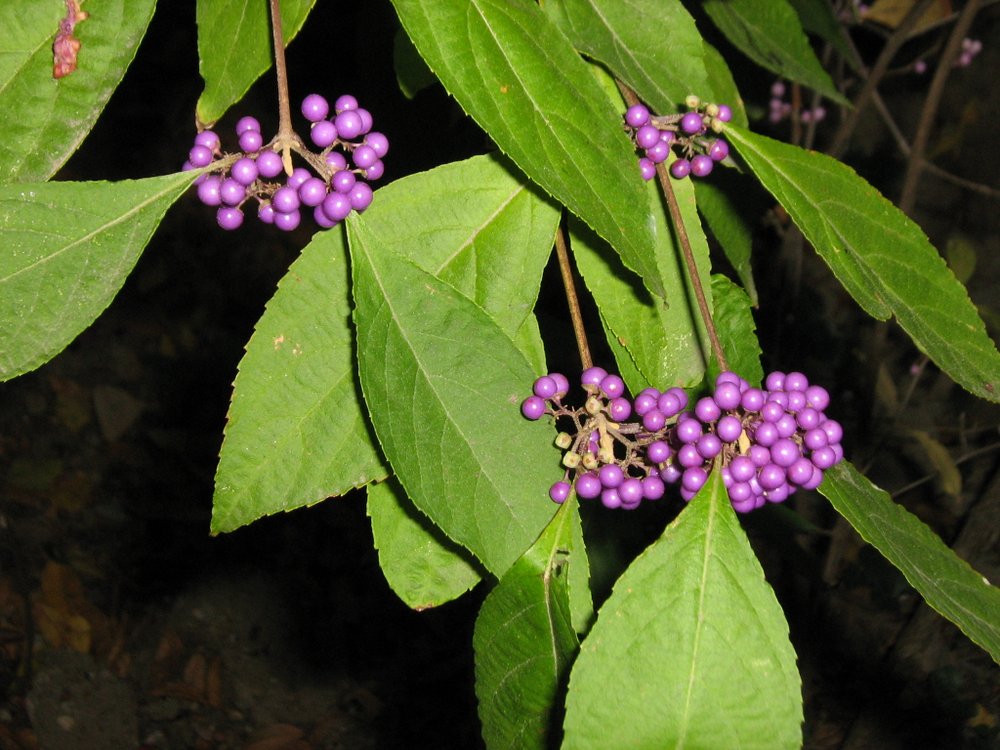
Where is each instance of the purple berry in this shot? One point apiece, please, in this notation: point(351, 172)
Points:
point(610, 498)
point(658, 152)
point(559, 491)
point(707, 410)
point(688, 430)
point(654, 420)
point(345, 103)
point(719, 150)
point(366, 120)
point(378, 142)
point(562, 383)
point(286, 222)
point(785, 452)
point(593, 376)
point(643, 403)
point(232, 192)
point(669, 404)
point(688, 456)
point(680, 169)
point(336, 206)
point(312, 191)
point(265, 212)
point(375, 171)
point(658, 451)
point(343, 181)
point(588, 486)
point(322, 219)
point(694, 478)
point(725, 113)
point(244, 171)
point(620, 409)
point(209, 139)
point(647, 168)
point(824, 458)
point(709, 446)
point(323, 133)
point(771, 476)
point(612, 386)
point(229, 217)
point(533, 407)
point(652, 487)
point(800, 471)
point(247, 124)
point(251, 141)
point(611, 475)
point(646, 136)
point(364, 156)
point(775, 381)
point(349, 124)
point(544, 387)
point(752, 400)
point(833, 430)
point(360, 196)
point(727, 396)
point(692, 123)
point(208, 191)
point(285, 199)
point(200, 156)
point(817, 397)
point(336, 161)
point(741, 468)
point(637, 115)
point(315, 108)
point(269, 164)
point(701, 165)
point(630, 491)
point(795, 381)
point(297, 177)
point(729, 428)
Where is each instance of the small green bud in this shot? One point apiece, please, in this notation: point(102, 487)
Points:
point(564, 440)
point(571, 460)
point(589, 461)
point(692, 101)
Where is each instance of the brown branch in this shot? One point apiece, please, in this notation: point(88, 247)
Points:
point(562, 254)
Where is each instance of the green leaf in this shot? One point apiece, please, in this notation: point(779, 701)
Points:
point(65, 250)
point(731, 221)
point(412, 73)
point(722, 85)
point(443, 383)
point(880, 256)
point(519, 77)
point(478, 225)
point(737, 330)
point(947, 583)
point(651, 45)
point(46, 119)
point(769, 33)
point(524, 640)
point(818, 17)
point(664, 340)
point(691, 649)
point(421, 564)
point(297, 431)
point(235, 48)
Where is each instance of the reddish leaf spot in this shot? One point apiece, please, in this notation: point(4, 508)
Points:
point(66, 46)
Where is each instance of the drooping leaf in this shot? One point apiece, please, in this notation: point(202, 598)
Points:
point(730, 221)
point(947, 583)
point(737, 330)
point(769, 33)
point(478, 225)
point(519, 77)
point(691, 649)
point(47, 118)
point(818, 17)
point(664, 339)
point(524, 640)
point(443, 384)
point(880, 256)
point(235, 48)
point(297, 432)
point(412, 72)
point(421, 564)
point(65, 250)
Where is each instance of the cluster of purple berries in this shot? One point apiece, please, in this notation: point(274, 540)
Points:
point(768, 442)
point(656, 136)
point(331, 189)
point(781, 109)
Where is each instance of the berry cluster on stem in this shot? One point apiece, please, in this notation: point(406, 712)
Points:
point(687, 133)
point(331, 187)
point(767, 442)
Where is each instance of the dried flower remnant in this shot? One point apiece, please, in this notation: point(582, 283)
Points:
point(66, 46)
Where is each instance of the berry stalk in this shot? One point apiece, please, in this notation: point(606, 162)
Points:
point(572, 300)
point(682, 237)
point(285, 135)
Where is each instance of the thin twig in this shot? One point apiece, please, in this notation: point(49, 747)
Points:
point(875, 75)
point(915, 165)
point(285, 133)
point(682, 239)
point(562, 254)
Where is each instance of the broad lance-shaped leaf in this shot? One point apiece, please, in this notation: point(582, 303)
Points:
point(947, 583)
point(420, 563)
point(46, 119)
point(443, 383)
point(652, 45)
point(297, 431)
point(769, 33)
point(524, 641)
point(737, 330)
point(478, 225)
point(691, 649)
point(881, 257)
point(235, 48)
point(65, 250)
point(656, 341)
point(519, 77)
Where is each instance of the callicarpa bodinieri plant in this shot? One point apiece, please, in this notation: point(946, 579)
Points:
point(401, 356)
